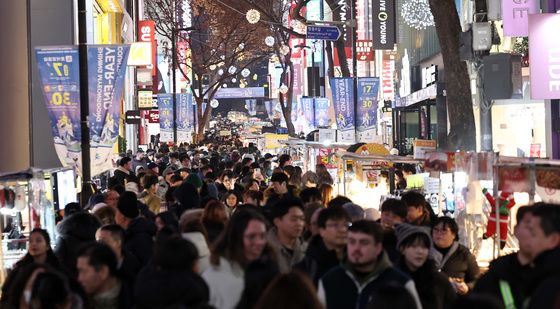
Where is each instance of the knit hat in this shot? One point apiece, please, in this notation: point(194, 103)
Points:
point(194, 180)
point(405, 230)
point(128, 205)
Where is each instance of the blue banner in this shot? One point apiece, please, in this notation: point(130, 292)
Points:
point(321, 112)
point(165, 107)
point(184, 125)
point(251, 106)
point(106, 71)
point(343, 97)
point(368, 88)
point(268, 106)
point(59, 72)
point(308, 112)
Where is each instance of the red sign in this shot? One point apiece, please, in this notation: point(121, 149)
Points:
point(152, 116)
point(535, 151)
point(387, 79)
point(364, 50)
point(146, 33)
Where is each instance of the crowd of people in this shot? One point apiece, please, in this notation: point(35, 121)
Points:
point(224, 226)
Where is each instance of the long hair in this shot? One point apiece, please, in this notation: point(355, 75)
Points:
point(229, 244)
point(292, 290)
point(52, 260)
point(215, 211)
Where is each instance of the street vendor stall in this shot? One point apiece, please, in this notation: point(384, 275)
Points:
point(29, 200)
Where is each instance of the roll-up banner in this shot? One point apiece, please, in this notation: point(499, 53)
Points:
point(384, 24)
point(368, 88)
point(165, 108)
point(343, 95)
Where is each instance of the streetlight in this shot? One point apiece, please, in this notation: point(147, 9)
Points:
point(173, 69)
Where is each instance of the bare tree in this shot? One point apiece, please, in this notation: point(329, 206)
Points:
point(221, 47)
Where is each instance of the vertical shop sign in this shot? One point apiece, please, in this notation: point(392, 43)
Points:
point(146, 33)
point(384, 21)
point(343, 94)
point(544, 56)
point(368, 88)
point(59, 72)
point(516, 16)
point(165, 108)
point(387, 75)
point(106, 72)
point(308, 114)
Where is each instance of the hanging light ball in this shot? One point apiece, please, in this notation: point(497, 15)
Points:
point(232, 70)
point(220, 72)
point(253, 16)
point(212, 67)
point(234, 80)
point(245, 72)
point(241, 46)
point(283, 89)
point(285, 50)
point(417, 14)
point(269, 41)
point(214, 103)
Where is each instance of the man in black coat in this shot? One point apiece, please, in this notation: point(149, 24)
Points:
point(139, 230)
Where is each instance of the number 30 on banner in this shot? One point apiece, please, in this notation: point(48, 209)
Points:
point(59, 98)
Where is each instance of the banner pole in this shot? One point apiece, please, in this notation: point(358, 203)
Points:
point(87, 189)
point(355, 68)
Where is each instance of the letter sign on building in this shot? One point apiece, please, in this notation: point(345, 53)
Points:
point(384, 34)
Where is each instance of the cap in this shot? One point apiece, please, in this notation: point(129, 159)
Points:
point(128, 205)
point(152, 165)
point(405, 230)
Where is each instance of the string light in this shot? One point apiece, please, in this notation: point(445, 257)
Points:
point(245, 72)
point(417, 14)
point(253, 16)
point(284, 50)
point(214, 103)
point(269, 41)
point(283, 89)
point(232, 70)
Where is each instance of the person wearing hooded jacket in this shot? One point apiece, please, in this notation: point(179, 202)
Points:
point(365, 271)
point(139, 231)
point(74, 231)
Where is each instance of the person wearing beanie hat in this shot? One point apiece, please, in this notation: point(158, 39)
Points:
point(414, 244)
point(139, 230)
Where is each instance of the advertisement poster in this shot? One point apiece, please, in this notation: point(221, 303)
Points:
point(184, 126)
point(165, 108)
point(342, 93)
point(106, 71)
point(368, 89)
point(543, 56)
point(308, 114)
point(384, 21)
point(327, 156)
point(321, 112)
point(59, 72)
point(514, 179)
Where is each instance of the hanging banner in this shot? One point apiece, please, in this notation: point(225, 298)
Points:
point(321, 112)
point(165, 108)
point(387, 79)
point(251, 106)
point(184, 127)
point(516, 16)
point(59, 72)
point(106, 71)
point(146, 30)
point(544, 56)
point(368, 88)
point(308, 114)
point(384, 21)
point(343, 97)
point(268, 107)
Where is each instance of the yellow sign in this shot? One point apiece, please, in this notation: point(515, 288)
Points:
point(423, 146)
point(145, 99)
point(113, 6)
point(372, 149)
point(272, 141)
point(140, 54)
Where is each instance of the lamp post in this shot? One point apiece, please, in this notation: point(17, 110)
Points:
point(87, 190)
point(173, 69)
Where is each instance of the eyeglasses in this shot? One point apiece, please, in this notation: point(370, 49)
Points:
point(441, 231)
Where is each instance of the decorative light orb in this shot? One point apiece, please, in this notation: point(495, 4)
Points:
point(212, 67)
point(269, 41)
point(214, 103)
point(253, 16)
point(224, 86)
point(222, 57)
point(285, 50)
point(274, 59)
point(245, 72)
point(220, 72)
point(283, 89)
point(234, 80)
point(232, 69)
point(417, 14)
point(241, 85)
point(255, 77)
point(241, 46)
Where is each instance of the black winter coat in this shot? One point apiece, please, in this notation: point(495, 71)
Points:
point(318, 259)
point(139, 239)
point(74, 232)
point(544, 284)
point(509, 269)
point(458, 263)
point(434, 289)
point(158, 288)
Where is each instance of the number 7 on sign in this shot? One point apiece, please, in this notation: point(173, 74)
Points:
point(56, 67)
point(367, 88)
